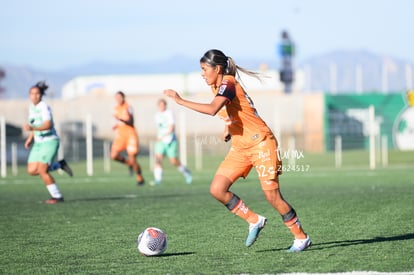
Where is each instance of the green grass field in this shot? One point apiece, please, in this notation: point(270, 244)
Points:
point(358, 219)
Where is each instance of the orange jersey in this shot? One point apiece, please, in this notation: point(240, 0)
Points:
point(245, 125)
point(124, 114)
point(126, 136)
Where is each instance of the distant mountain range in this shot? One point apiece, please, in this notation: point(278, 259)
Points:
point(319, 70)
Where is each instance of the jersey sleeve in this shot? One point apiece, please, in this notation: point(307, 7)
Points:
point(170, 118)
point(227, 89)
point(46, 112)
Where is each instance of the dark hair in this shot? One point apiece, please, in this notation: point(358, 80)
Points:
point(121, 93)
point(218, 58)
point(41, 86)
point(162, 100)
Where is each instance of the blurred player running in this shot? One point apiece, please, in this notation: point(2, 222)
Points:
point(253, 145)
point(167, 144)
point(126, 137)
point(44, 143)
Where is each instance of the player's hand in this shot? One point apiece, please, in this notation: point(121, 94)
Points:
point(27, 127)
point(226, 134)
point(28, 143)
point(173, 94)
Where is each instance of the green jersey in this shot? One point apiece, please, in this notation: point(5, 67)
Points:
point(164, 121)
point(38, 115)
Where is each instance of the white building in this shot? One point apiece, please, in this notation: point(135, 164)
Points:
point(188, 83)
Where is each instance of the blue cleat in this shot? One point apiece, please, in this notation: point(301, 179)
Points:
point(65, 167)
point(300, 245)
point(254, 230)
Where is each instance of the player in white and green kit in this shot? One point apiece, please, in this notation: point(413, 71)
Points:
point(44, 143)
point(167, 143)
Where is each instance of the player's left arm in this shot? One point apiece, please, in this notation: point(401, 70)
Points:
point(206, 108)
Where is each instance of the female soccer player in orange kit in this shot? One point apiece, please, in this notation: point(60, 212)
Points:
point(253, 145)
point(126, 137)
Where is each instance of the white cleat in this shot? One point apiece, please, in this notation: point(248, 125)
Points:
point(300, 245)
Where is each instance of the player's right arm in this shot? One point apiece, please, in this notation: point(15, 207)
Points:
point(45, 126)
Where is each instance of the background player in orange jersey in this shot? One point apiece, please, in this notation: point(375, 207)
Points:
point(126, 137)
point(253, 145)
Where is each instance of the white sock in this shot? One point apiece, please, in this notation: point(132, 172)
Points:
point(183, 169)
point(158, 174)
point(54, 191)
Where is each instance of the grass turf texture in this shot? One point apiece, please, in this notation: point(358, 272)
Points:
point(358, 219)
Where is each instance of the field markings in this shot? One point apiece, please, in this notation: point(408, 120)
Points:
point(77, 180)
point(354, 273)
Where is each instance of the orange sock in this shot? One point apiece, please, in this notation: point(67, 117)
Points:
point(296, 228)
point(245, 213)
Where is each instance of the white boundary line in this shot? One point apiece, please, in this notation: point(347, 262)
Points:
point(354, 273)
point(36, 180)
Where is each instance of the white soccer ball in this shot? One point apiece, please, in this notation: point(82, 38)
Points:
point(152, 241)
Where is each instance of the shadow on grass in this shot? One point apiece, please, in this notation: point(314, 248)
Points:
point(342, 243)
point(326, 245)
point(127, 197)
point(101, 199)
point(175, 254)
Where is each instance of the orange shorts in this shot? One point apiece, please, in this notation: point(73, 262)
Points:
point(263, 156)
point(126, 140)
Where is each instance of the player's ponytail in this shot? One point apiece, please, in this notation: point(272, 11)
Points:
point(41, 86)
point(218, 58)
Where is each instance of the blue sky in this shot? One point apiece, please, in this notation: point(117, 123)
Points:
point(53, 35)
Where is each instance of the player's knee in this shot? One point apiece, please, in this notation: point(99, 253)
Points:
point(175, 161)
point(214, 191)
point(217, 191)
point(114, 155)
point(158, 161)
point(220, 186)
point(32, 170)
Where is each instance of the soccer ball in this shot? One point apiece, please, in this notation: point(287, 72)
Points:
point(152, 241)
